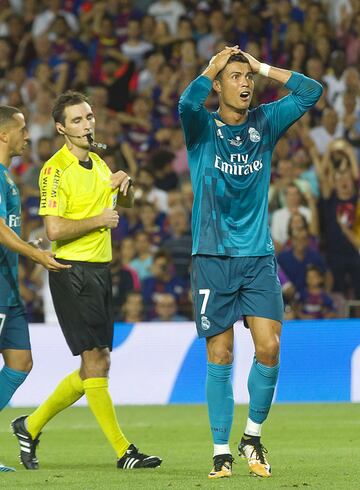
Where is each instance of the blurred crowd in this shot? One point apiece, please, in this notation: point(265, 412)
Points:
point(134, 59)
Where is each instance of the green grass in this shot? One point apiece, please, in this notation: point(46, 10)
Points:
point(310, 446)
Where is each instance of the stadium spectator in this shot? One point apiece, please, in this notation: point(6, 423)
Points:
point(179, 241)
point(124, 280)
point(162, 280)
point(43, 20)
point(166, 309)
point(133, 308)
point(147, 192)
point(313, 302)
point(329, 130)
point(143, 261)
point(338, 205)
point(295, 259)
point(280, 218)
point(134, 48)
point(168, 11)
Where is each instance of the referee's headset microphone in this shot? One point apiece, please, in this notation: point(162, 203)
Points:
point(94, 144)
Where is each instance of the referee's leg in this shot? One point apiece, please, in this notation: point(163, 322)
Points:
point(95, 365)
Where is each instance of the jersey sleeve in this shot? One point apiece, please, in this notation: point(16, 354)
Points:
point(49, 183)
point(3, 212)
point(281, 114)
point(193, 116)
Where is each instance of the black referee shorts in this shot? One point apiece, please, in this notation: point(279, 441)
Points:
point(82, 299)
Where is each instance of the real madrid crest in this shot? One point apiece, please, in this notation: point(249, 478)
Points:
point(254, 135)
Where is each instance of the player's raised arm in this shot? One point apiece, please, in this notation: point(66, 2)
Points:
point(305, 92)
point(194, 117)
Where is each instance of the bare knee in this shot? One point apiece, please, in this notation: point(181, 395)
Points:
point(220, 349)
point(95, 364)
point(19, 360)
point(268, 354)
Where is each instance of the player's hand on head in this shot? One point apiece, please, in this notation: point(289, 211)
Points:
point(109, 218)
point(253, 62)
point(220, 59)
point(121, 180)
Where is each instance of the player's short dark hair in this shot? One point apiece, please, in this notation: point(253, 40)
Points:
point(6, 114)
point(234, 58)
point(67, 99)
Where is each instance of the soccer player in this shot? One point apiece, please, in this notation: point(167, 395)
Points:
point(78, 199)
point(234, 270)
point(14, 333)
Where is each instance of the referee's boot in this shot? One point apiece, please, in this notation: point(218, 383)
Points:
point(251, 449)
point(26, 442)
point(132, 460)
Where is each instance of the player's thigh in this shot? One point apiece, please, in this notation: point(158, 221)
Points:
point(216, 305)
point(262, 295)
point(14, 328)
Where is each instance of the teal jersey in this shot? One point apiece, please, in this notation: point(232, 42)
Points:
point(230, 167)
point(10, 212)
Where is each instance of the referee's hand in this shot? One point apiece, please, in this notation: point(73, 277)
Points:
point(109, 218)
point(121, 180)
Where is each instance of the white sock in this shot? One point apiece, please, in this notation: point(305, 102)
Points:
point(252, 428)
point(221, 449)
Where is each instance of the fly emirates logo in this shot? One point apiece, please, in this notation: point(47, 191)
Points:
point(238, 165)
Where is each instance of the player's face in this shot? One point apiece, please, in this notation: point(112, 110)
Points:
point(18, 135)
point(79, 121)
point(236, 86)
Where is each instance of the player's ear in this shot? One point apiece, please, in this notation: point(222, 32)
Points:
point(3, 136)
point(217, 86)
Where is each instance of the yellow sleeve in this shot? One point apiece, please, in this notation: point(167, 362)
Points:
point(356, 226)
point(52, 200)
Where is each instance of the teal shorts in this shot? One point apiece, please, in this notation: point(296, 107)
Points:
point(226, 288)
point(14, 328)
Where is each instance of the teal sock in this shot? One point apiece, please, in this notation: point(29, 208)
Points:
point(10, 380)
point(220, 401)
point(261, 386)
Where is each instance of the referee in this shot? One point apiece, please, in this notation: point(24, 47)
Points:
point(78, 199)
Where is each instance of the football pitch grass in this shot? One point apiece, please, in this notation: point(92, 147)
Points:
point(313, 446)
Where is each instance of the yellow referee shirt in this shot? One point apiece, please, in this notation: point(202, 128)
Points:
point(69, 190)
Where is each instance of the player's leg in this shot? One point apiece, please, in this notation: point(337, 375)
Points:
point(17, 365)
point(261, 385)
point(16, 351)
point(263, 307)
point(216, 310)
point(220, 399)
point(95, 365)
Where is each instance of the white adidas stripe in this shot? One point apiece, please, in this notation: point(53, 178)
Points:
point(134, 463)
point(21, 435)
point(25, 449)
